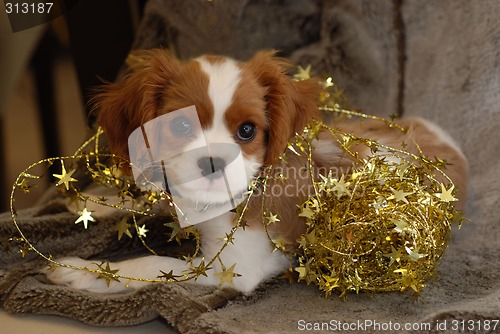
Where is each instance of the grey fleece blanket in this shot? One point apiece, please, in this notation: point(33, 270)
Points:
point(435, 59)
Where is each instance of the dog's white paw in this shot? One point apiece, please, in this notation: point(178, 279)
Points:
point(82, 279)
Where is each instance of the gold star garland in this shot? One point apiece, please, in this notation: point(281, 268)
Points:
point(362, 234)
point(382, 227)
point(133, 200)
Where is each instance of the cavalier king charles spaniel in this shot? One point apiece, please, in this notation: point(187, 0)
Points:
point(219, 123)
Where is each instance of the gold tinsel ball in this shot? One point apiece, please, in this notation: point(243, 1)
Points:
point(384, 227)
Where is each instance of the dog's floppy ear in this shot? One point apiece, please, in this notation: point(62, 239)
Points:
point(290, 104)
point(126, 105)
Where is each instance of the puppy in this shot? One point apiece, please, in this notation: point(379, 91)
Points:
point(257, 108)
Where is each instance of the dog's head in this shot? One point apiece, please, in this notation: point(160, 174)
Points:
point(253, 106)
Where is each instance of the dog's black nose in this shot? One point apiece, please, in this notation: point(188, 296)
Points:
point(210, 165)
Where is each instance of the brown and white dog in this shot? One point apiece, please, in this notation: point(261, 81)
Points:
point(256, 106)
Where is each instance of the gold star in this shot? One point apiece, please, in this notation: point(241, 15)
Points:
point(273, 219)
point(311, 237)
point(341, 187)
point(170, 277)
point(243, 224)
point(279, 244)
point(408, 280)
point(122, 228)
point(229, 238)
point(414, 255)
point(302, 272)
point(175, 231)
point(440, 162)
point(373, 145)
point(379, 204)
point(141, 231)
point(102, 199)
point(329, 284)
point(302, 242)
point(291, 148)
point(327, 181)
point(401, 170)
point(53, 267)
point(201, 269)
point(307, 212)
point(107, 273)
point(188, 258)
point(289, 275)
point(400, 195)
point(346, 140)
point(446, 195)
point(64, 178)
point(303, 74)
point(328, 83)
point(396, 255)
point(401, 226)
point(24, 250)
point(85, 217)
point(24, 186)
point(226, 276)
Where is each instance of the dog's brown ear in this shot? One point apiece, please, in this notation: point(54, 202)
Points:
point(126, 105)
point(290, 104)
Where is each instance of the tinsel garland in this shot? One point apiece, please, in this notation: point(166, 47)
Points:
point(382, 227)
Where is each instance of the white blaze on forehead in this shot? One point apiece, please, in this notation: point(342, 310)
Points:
point(224, 76)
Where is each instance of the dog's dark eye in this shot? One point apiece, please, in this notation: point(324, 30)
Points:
point(181, 126)
point(246, 131)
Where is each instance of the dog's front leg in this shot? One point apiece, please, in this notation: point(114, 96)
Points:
point(249, 257)
point(245, 262)
point(147, 268)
